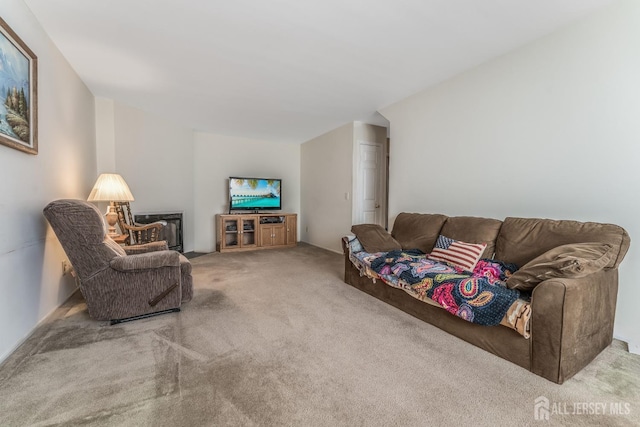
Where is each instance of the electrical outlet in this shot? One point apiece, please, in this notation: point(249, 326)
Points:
point(66, 267)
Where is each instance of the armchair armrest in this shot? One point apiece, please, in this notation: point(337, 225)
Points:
point(146, 261)
point(144, 233)
point(571, 323)
point(142, 227)
point(147, 247)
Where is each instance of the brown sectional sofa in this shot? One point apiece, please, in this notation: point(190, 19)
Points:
point(571, 318)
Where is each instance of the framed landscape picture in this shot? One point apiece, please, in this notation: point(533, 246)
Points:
point(18, 92)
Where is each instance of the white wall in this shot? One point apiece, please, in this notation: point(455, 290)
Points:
point(326, 163)
point(153, 155)
point(549, 130)
point(327, 182)
point(30, 256)
point(105, 136)
point(217, 157)
point(367, 132)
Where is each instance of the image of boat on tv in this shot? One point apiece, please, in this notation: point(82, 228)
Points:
point(255, 193)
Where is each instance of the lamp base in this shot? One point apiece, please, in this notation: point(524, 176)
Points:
point(112, 218)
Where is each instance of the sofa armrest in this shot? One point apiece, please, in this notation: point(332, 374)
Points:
point(345, 245)
point(146, 261)
point(147, 247)
point(347, 261)
point(571, 323)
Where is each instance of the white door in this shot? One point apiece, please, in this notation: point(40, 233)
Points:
point(370, 178)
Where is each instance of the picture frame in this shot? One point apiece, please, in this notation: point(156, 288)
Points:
point(18, 92)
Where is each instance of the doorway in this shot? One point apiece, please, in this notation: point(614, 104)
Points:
point(370, 187)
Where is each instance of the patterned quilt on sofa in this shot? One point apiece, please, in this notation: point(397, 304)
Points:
point(479, 297)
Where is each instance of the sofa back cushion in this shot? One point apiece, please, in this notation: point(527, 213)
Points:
point(523, 239)
point(418, 231)
point(473, 230)
point(374, 238)
point(571, 261)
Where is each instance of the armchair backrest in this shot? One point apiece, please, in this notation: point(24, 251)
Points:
point(137, 234)
point(81, 231)
point(122, 219)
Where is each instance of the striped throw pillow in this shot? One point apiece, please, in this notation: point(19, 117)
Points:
point(461, 254)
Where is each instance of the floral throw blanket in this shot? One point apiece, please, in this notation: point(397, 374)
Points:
point(479, 297)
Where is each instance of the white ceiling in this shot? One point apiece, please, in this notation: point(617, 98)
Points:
point(285, 70)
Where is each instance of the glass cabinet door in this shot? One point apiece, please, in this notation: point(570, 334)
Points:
point(231, 232)
point(249, 226)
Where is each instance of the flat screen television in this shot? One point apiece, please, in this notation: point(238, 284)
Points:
point(254, 194)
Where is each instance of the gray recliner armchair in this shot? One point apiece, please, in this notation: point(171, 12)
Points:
point(118, 283)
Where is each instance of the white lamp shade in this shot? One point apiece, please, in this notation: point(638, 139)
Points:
point(110, 187)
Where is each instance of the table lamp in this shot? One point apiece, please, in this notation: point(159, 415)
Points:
point(111, 187)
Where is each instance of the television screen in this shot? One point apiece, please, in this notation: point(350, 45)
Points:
point(254, 193)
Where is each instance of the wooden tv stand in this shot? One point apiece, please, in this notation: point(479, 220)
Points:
point(244, 232)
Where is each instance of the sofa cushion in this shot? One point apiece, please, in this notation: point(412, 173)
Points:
point(473, 230)
point(374, 238)
point(418, 231)
point(461, 254)
point(571, 261)
point(522, 239)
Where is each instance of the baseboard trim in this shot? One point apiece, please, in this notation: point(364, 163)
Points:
point(46, 317)
point(632, 346)
point(322, 247)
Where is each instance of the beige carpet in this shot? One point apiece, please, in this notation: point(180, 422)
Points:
point(276, 338)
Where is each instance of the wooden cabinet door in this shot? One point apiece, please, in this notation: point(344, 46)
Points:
point(292, 230)
point(272, 235)
point(265, 235)
point(278, 235)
